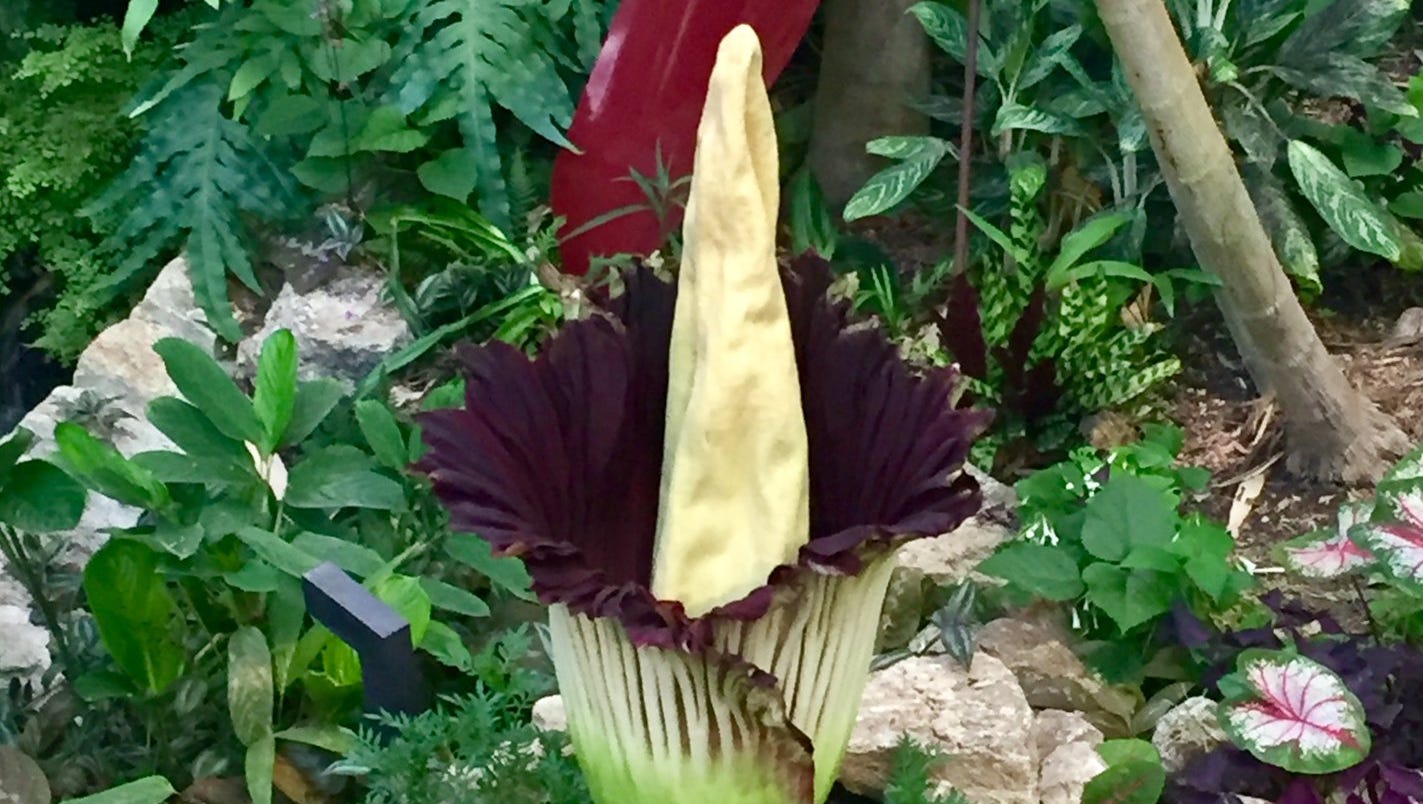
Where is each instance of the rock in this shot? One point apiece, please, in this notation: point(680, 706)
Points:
point(1408, 328)
point(1067, 745)
point(1066, 771)
point(1187, 731)
point(343, 329)
point(1053, 677)
point(978, 718)
point(550, 715)
point(1054, 728)
point(114, 380)
point(24, 647)
point(952, 557)
point(902, 611)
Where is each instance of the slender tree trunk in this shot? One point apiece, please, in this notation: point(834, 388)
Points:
point(1333, 431)
point(875, 61)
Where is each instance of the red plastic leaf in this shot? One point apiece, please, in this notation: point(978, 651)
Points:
point(643, 99)
point(1295, 714)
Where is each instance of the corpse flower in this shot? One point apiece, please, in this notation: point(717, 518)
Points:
point(707, 483)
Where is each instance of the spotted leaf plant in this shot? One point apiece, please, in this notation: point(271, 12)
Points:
point(707, 483)
point(1294, 713)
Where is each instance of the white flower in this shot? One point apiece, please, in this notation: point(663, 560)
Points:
point(271, 469)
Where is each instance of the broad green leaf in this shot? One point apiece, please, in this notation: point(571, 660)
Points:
point(1047, 55)
point(194, 432)
point(135, 613)
point(1046, 572)
point(104, 685)
point(1294, 713)
point(250, 696)
point(274, 391)
point(177, 467)
point(1366, 156)
point(356, 559)
point(340, 477)
point(506, 573)
point(251, 75)
point(1294, 245)
point(387, 131)
point(136, 18)
point(328, 175)
point(1408, 204)
point(1152, 557)
point(1356, 218)
point(405, 594)
point(1126, 512)
point(1016, 117)
point(254, 576)
point(39, 497)
point(258, 766)
point(446, 597)
point(329, 737)
point(314, 401)
point(344, 60)
point(1130, 598)
point(204, 383)
point(101, 468)
point(892, 185)
point(148, 790)
point(1134, 774)
point(382, 433)
point(1091, 234)
point(179, 541)
point(277, 552)
point(452, 174)
point(445, 645)
point(949, 30)
point(12, 448)
point(291, 115)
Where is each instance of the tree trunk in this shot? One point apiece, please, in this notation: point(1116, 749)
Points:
point(1333, 431)
point(875, 61)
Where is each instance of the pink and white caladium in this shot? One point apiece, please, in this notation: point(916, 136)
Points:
point(1330, 553)
point(1293, 713)
point(1397, 543)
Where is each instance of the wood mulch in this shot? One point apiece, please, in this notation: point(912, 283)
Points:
point(1239, 438)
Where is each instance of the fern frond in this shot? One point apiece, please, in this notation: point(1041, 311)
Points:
point(196, 173)
point(466, 56)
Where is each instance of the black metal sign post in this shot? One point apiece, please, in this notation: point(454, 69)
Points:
point(379, 635)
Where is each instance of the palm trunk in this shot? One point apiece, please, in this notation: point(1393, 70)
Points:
point(875, 60)
point(1333, 431)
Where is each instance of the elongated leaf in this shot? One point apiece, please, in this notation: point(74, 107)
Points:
point(1089, 235)
point(250, 695)
point(274, 392)
point(194, 432)
point(382, 433)
point(148, 790)
point(1048, 55)
point(895, 183)
point(101, 468)
point(1397, 544)
point(1356, 218)
point(136, 18)
point(408, 597)
point(356, 559)
point(506, 573)
point(259, 766)
point(948, 28)
point(340, 477)
point(39, 497)
point(1016, 117)
point(1296, 714)
point(135, 613)
point(329, 737)
point(277, 552)
point(314, 402)
point(1288, 233)
point(956, 623)
point(452, 598)
point(204, 383)
point(1046, 572)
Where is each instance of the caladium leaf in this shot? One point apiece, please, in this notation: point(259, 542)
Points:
point(1408, 469)
point(1330, 553)
point(1294, 713)
point(1397, 544)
